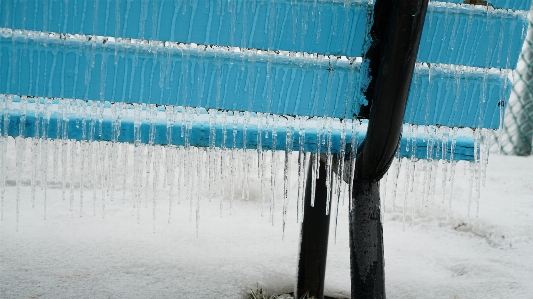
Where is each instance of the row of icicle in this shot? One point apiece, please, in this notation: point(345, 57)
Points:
point(151, 172)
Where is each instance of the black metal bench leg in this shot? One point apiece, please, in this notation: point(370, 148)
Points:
point(366, 242)
point(314, 239)
point(395, 33)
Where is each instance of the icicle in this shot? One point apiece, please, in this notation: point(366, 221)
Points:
point(396, 173)
point(430, 21)
point(316, 162)
point(223, 155)
point(155, 184)
point(487, 140)
point(353, 156)
point(20, 144)
point(72, 145)
point(451, 179)
point(92, 151)
point(111, 159)
point(44, 151)
point(146, 170)
point(319, 26)
point(169, 115)
point(151, 139)
point(261, 162)
point(55, 143)
point(444, 137)
point(313, 177)
point(301, 169)
point(477, 183)
point(273, 168)
point(501, 105)
point(424, 177)
point(137, 176)
point(115, 150)
point(83, 151)
point(434, 169)
point(189, 183)
point(197, 197)
point(295, 22)
point(82, 163)
point(35, 151)
point(470, 18)
point(471, 166)
point(212, 143)
point(233, 159)
point(245, 164)
point(340, 174)
point(91, 177)
point(125, 149)
point(171, 177)
point(117, 29)
point(329, 167)
point(287, 170)
point(409, 173)
point(409, 137)
point(259, 117)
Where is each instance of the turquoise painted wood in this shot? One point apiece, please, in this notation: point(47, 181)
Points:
point(329, 27)
point(210, 79)
point(458, 98)
point(472, 35)
point(508, 4)
point(55, 68)
point(84, 50)
point(200, 133)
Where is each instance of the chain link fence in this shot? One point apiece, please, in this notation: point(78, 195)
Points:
point(516, 135)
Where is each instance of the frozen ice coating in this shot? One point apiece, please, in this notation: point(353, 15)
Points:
point(199, 94)
point(263, 28)
point(202, 76)
point(148, 127)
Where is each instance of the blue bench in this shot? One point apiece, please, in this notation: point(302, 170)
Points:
point(282, 75)
point(74, 53)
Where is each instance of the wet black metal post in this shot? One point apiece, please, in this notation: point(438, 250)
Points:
point(395, 34)
point(314, 242)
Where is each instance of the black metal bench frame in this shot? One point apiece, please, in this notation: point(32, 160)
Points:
point(395, 35)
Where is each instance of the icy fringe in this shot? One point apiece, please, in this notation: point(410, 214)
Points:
point(222, 171)
point(169, 173)
point(428, 181)
point(174, 167)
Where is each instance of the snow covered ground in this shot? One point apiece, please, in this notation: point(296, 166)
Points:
point(91, 257)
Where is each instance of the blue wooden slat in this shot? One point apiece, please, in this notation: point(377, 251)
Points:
point(59, 68)
point(507, 4)
point(200, 135)
point(457, 98)
point(474, 37)
point(251, 24)
point(209, 79)
point(327, 28)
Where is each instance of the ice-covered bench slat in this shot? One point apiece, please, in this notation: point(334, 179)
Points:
point(472, 35)
point(457, 97)
point(200, 133)
point(216, 79)
point(507, 4)
point(325, 27)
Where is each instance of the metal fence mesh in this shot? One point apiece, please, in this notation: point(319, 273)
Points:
point(516, 135)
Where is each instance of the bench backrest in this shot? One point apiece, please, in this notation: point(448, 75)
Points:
point(269, 59)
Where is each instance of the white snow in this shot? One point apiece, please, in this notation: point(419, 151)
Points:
point(91, 257)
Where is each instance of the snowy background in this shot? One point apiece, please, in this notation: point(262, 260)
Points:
point(115, 257)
